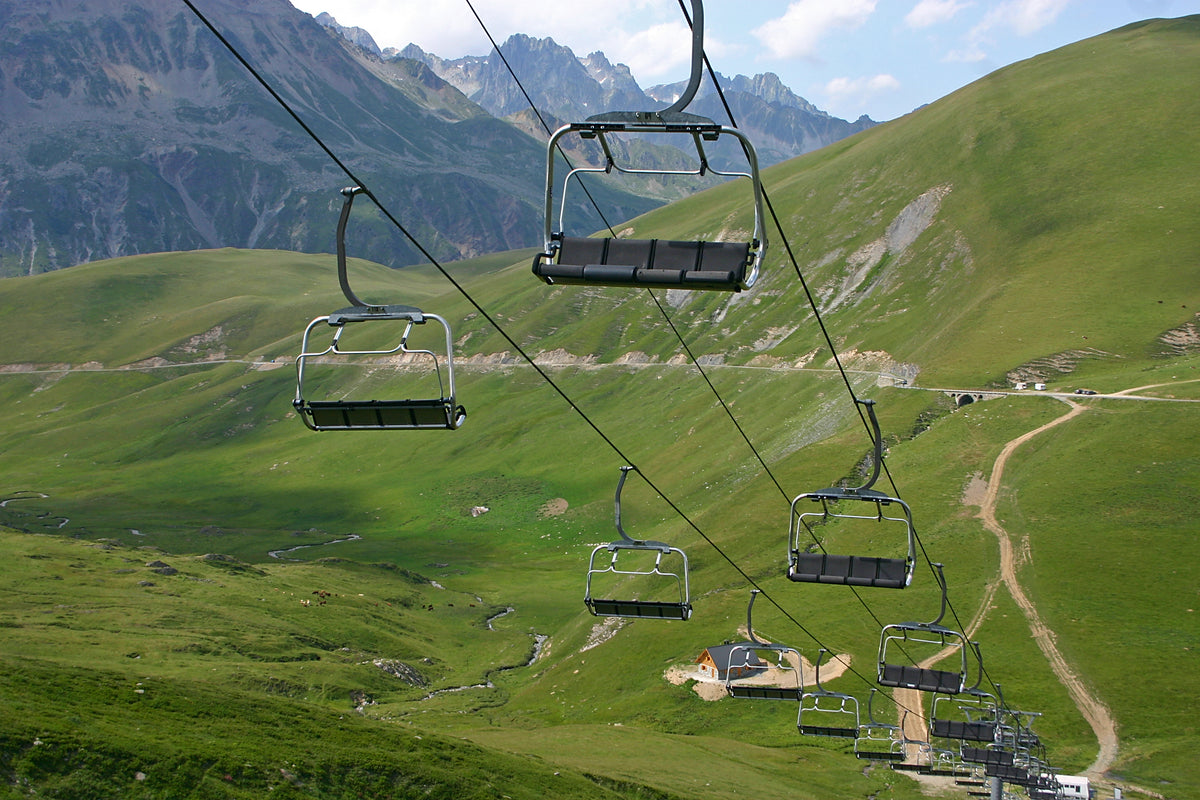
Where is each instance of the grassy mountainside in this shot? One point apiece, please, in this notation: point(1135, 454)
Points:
point(149, 429)
point(1038, 212)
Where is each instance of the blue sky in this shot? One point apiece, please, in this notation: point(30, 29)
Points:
point(882, 58)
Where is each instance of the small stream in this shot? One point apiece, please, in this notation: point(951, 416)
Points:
point(539, 641)
point(279, 553)
point(29, 494)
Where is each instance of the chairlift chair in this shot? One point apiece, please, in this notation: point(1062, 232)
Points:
point(924, 638)
point(878, 741)
point(989, 756)
point(826, 713)
point(943, 762)
point(439, 412)
point(643, 579)
point(1020, 734)
point(971, 716)
point(969, 774)
point(970, 720)
point(1009, 773)
point(652, 263)
point(790, 686)
point(918, 753)
point(834, 504)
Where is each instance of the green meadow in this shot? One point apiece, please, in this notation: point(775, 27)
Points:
point(206, 599)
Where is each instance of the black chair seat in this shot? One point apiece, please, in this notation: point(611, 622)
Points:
point(925, 680)
point(639, 609)
point(888, 573)
point(328, 415)
point(825, 730)
point(986, 756)
point(964, 731)
point(764, 692)
point(646, 262)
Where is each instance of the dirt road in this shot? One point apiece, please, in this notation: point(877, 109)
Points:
point(1095, 712)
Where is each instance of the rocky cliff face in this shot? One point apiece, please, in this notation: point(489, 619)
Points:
point(126, 127)
point(780, 123)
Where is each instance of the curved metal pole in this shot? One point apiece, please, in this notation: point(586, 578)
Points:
point(349, 192)
point(941, 579)
point(697, 60)
point(750, 620)
point(877, 441)
point(974, 688)
point(820, 655)
point(617, 503)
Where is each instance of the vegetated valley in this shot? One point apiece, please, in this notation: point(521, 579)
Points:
point(206, 599)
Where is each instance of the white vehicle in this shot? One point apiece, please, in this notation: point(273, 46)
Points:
point(1073, 787)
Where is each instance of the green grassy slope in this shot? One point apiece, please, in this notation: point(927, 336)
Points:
point(148, 417)
point(1065, 225)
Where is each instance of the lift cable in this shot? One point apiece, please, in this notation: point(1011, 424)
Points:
point(436, 264)
point(516, 347)
point(829, 342)
point(678, 335)
point(692, 356)
point(841, 369)
point(541, 119)
point(683, 343)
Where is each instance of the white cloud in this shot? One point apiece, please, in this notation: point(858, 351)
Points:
point(449, 29)
point(971, 54)
point(799, 31)
point(1024, 17)
point(856, 91)
point(659, 52)
point(933, 12)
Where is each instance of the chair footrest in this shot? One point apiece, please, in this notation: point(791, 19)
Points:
point(765, 692)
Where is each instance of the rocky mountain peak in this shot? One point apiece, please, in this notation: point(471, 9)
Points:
point(568, 87)
point(357, 36)
point(129, 129)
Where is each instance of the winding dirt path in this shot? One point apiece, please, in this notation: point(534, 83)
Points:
point(1095, 712)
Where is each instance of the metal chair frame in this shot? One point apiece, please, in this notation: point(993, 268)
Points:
point(688, 265)
point(822, 701)
point(852, 570)
point(929, 636)
point(634, 608)
point(758, 691)
point(441, 412)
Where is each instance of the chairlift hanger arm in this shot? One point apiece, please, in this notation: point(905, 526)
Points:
point(343, 278)
point(360, 310)
point(697, 72)
point(626, 542)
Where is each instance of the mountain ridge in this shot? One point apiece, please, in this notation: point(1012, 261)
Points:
point(782, 124)
point(129, 128)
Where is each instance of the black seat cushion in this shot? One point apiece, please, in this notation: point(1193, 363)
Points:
point(649, 262)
